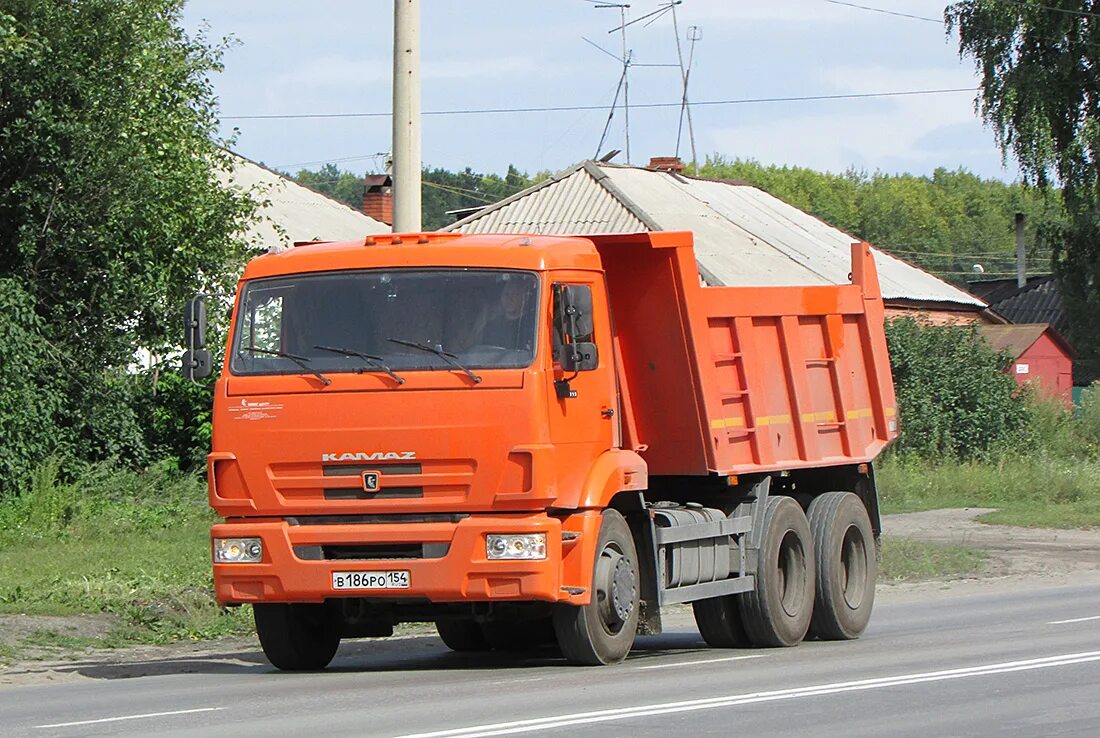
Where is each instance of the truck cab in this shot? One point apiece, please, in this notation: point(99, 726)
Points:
point(441, 427)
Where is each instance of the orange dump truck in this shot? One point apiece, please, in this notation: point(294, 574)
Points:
point(530, 439)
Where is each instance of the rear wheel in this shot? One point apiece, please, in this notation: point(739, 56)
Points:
point(844, 550)
point(462, 634)
point(603, 631)
point(777, 611)
point(298, 636)
point(719, 621)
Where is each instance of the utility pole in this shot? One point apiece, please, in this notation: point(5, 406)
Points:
point(406, 116)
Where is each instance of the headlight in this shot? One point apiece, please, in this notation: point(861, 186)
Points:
point(238, 550)
point(515, 546)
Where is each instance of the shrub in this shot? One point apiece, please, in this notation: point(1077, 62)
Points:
point(954, 398)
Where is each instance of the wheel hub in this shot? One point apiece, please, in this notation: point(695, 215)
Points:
point(622, 589)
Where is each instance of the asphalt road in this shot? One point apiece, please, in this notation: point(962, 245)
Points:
point(1026, 663)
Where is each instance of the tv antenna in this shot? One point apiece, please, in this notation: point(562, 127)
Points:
point(624, 79)
point(694, 33)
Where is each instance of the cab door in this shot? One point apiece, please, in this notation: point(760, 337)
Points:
point(583, 408)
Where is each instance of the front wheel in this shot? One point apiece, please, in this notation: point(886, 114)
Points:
point(298, 636)
point(603, 631)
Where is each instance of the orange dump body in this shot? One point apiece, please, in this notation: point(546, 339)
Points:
point(736, 380)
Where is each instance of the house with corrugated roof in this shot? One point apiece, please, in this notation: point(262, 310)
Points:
point(743, 235)
point(293, 213)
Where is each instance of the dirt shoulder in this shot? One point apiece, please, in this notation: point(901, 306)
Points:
point(1019, 558)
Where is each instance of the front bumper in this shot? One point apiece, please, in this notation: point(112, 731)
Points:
point(462, 574)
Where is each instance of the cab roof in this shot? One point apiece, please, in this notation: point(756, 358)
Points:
point(507, 251)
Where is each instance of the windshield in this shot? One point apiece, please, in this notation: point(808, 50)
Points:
point(403, 319)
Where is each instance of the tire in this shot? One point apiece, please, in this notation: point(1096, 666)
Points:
point(847, 566)
point(777, 611)
point(518, 635)
point(719, 621)
point(603, 631)
point(298, 636)
point(462, 634)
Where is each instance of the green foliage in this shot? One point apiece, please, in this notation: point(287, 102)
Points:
point(332, 181)
point(111, 215)
point(1039, 94)
point(30, 399)
point(444, 190)
point(1088, 419)
point(1031, 490)
point(954, 399)
point(102, 499)
point(944, 223)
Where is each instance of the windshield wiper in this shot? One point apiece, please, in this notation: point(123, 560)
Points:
point(438, 351)
point(374, 361)
point(301, 361)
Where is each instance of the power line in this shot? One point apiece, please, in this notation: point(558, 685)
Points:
point(566, 108)
point(886, 12)
point(330, 161)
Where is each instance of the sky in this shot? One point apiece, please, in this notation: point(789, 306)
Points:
point(335, 56)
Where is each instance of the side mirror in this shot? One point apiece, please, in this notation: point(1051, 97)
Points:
point(578, 357)
point(197, 362)
point(577, 301)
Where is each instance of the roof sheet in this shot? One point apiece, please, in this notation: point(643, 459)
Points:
point(573, 204)
point(1038, 301)
point(294, 212)
point(1016, 339)
point(743, 236)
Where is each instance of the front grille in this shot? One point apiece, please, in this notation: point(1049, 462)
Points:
point(376, 519)
point(354, 470)
point(386, 493)
point(372, 552)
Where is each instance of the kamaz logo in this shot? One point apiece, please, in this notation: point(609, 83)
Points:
point(373, 456)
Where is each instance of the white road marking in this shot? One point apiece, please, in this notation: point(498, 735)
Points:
point(130, 717)
point(703, 661)
point(1073, 620)
point(665, 708)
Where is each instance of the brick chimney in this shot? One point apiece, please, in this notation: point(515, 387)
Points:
point(378, 198)
point(666, 164)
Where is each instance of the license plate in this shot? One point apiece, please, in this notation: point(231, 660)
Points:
point(370, 580)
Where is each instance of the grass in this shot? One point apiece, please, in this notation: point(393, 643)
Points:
point(132, 544)
point(905, 560)
point(1039, 492)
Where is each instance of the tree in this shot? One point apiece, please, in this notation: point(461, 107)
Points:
point(111, 212)
point(1041, 95)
